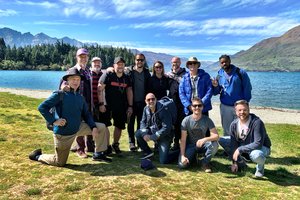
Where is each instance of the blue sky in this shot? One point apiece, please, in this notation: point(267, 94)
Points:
point(202, 28)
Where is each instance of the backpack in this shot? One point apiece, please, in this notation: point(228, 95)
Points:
point(170, 106)
point(53, 110)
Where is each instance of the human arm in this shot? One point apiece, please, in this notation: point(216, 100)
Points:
point(101, 98)
point(87, 116)
point(214, 136)
point(247, 87)
point(165, 119)
point(184, 93)
point(184, 159)
point(129, 94)
point(207, 88)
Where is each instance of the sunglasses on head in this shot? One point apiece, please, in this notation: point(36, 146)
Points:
point(140, 60)
point(197, 105)
point(150, 99)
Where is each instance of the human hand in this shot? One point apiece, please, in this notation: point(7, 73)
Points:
point(129, 111)
point(102, 108)
point(147, 138)
point(66, 88)
point(200, 143)
point(214, 81)
point(234, 168)
point(60, 122)
point(184, 160)
point(95, 132)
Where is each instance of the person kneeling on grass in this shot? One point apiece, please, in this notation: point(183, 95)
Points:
point(248, 138)
point(193, 137)
point(69, 124)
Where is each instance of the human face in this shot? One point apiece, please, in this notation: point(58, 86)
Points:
point(82, 60)
point(242, 112)
point(119, 67)
point(74, 82)
point(193, 67)
point(158, 68)
point(225, 64)
point(139, 61)
point(175, 64)
point(197, 107)
point(150, 100)
point(96, 66)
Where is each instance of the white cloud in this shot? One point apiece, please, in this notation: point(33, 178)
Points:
point(45, 4)
point(237, 3)
point(59, 23)
point(7, 13)
point(173, 24)
point(87, 11)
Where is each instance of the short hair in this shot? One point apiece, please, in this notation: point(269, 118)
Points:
point(241, 102)
point(197, 99)
point(227, 57)
point(140, 54)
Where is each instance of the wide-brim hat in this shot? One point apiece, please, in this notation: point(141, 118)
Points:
point(192, 60)
point(72, 72)
point(119, 59)
point(82, 51)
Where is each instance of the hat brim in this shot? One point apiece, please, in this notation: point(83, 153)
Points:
point(65, 77)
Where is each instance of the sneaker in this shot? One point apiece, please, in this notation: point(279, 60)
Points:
point(81, 154)
point(115, 147)
point(101, 157)
point(258, 174)
point(132, 147)
point(147, 155)
point(206, 168)
point(35, 154)
point(108, 150)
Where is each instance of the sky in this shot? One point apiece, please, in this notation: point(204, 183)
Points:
point(202, 28)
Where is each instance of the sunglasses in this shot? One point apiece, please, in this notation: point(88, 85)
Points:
point(140, 60)
point(192, 63)
point(150, 99)
point(158, 67)
point(197, 105)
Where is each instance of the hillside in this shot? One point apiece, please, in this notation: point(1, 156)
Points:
point(272, 54)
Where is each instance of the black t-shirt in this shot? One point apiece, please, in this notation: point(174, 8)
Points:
point(115, 89)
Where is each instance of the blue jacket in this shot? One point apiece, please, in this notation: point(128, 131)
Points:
point(204, 90)
point(159, 123)
point(74, 108)
point(235, 89)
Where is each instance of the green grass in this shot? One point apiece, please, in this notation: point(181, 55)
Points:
point(22, 129)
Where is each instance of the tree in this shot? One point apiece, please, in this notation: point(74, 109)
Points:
point(2, 49)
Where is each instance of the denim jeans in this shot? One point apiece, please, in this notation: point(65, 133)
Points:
point(163, 145)
point(209, 149)
point(257, 156)
point(227, 116)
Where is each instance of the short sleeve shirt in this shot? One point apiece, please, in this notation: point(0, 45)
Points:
point(115, 89)
point(196, 129)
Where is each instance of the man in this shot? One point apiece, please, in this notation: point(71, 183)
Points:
point(196, 83)
point(85, 90)
point(156, 125)
point(248, 137)
point(139, 75)
point(69, 124)
point(118, 95)
point(194, 139)
point(233, 84)
point(99, 116)
point(175, 76)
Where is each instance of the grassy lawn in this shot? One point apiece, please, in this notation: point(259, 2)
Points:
point(22, 129)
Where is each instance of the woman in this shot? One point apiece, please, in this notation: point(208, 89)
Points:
point(158, 82)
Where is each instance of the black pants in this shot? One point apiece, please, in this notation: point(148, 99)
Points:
point(138, 108)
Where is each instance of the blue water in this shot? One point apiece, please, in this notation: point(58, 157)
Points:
point(270, 89)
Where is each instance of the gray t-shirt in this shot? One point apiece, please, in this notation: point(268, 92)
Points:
point(196, 129)
point(139, 86)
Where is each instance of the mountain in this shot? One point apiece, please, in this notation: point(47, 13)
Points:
point(12, 37)
point(272, 54)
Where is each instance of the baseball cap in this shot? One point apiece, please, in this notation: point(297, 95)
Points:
point(96, 58)
point(119, 59)
point(82, 51)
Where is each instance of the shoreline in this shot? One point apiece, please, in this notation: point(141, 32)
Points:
point(267, 114)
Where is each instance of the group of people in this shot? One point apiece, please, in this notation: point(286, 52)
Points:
point(92, 97)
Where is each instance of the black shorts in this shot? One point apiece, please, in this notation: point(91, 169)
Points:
point(120, 117)
point(102, 117)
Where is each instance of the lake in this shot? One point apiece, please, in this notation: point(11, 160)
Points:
point(270, 89)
